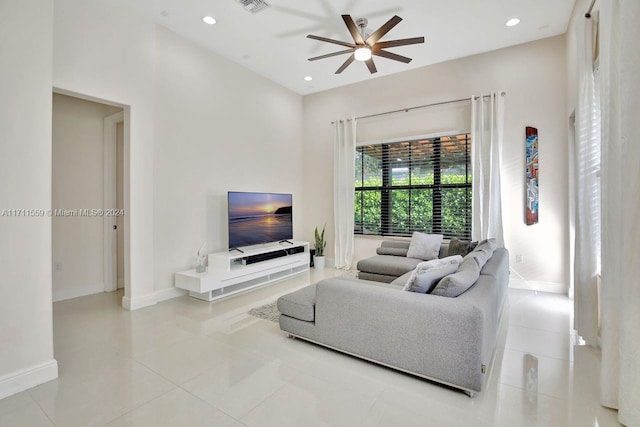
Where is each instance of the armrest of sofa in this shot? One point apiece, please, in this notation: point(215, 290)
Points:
point(433, 336)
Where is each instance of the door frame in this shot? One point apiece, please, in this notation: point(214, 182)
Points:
point(109, 201)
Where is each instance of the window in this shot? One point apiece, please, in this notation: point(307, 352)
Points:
point(414, 185)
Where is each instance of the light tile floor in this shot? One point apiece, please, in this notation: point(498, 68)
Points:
point(186, 362)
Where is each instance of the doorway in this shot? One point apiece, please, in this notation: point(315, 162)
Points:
point(88, 196)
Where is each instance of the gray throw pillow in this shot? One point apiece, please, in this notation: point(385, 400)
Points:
point(458, 247)
point(427, 274)
point(457, 283)
point(424, 246)
point(482, 252)
point(491, 243)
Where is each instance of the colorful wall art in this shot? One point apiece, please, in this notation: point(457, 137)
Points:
point(532, 176)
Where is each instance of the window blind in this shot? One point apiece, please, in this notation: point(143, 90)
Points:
point(415, 185)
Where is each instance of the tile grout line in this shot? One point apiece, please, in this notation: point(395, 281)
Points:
point(207, 403)
point(40, 406)
point(286, 383)
point(117, 417)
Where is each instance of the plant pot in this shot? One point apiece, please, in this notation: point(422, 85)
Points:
point(318, 262)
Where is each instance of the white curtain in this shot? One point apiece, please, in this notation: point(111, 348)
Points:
point(588, 195)
point(487, 127)
point(344, 146)
point(620, 92)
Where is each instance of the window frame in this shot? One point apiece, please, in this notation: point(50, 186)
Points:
point(385, 190)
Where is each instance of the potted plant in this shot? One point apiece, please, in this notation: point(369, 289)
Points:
point(320, 245)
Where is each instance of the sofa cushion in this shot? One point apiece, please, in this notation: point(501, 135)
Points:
point(458, 247)
point(402, 280)
point(427, 274)
point(483, 252)
point(383, 250)
point(457, 283)
point(374, 277)
point(388, 265)
point(300, 304)
point(424, 246)
point(498, 264)
point(399, 244)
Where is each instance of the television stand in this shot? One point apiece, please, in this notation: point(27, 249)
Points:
point(231, 273)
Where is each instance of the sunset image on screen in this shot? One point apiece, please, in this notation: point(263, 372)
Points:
point(256, 218)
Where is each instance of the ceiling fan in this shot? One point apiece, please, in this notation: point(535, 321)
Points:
point(364, 45)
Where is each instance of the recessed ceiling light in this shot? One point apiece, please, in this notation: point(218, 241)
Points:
point(308, 78)
point(209, 20)
point(512, 22)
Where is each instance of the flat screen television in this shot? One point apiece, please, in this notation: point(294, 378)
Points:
point(256, 218)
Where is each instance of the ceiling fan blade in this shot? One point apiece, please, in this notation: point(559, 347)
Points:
point(390, 55)
point(346, 63)
point(401, 42)
point(329, 55)
point(353, 29)
point(371, 66)
point(324, 39)
point(373, 38)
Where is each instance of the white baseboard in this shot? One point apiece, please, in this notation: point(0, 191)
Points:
point(151, 299)
point(24, 379)
point(136, 303)
point(80, 291)
point(170, 293)
point(540, 286)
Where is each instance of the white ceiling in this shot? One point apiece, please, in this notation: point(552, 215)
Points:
point(273, 42)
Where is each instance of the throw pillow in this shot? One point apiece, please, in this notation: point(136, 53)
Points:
point(491, 243)
point(427, 274)
point(424, 246)
point(457, 283)
point(458, 247)
point(483, 252)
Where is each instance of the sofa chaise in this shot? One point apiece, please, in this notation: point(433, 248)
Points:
point(449, 340)
point(391, 261)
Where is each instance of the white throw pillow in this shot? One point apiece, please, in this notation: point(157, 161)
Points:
point(424, 246)
point(427, 274)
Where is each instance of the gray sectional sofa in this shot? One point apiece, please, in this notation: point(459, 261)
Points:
point(444, 339)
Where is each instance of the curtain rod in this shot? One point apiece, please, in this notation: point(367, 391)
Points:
point(406, 110)
point(588, 14)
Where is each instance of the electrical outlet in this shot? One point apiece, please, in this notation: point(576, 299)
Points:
point(58, 268)
point(519, 259)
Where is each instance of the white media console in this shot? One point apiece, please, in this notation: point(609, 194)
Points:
point(231, 272)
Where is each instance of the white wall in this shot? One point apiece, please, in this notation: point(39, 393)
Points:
point(26, 332)
point(107, 53)
point(534, 77)
point(78, 160)
point(219, 127)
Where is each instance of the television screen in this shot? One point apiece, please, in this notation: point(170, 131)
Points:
point(256, 218)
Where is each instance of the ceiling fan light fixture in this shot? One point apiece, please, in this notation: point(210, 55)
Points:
point(362, 53)
point(365, 45)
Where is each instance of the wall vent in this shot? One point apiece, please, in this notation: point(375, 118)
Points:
point(254, 6)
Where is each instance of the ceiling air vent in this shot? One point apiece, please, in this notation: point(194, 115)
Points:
point(254, 6)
